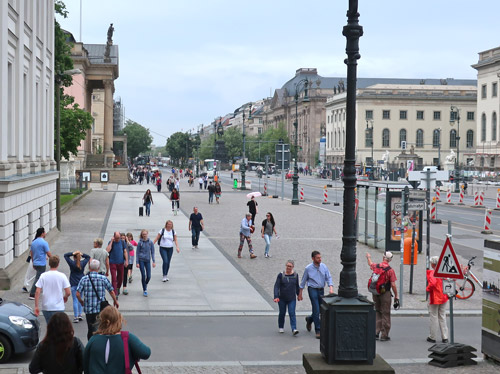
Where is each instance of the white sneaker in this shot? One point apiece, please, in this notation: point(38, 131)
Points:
point(165, 278)
point(295, 332)
point(282, 331)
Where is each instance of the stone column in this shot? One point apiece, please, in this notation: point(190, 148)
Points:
point(108, 122)
point(125, 155)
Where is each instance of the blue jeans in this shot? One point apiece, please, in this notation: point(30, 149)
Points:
point(49, 313)
point(195, 231)
point(315, 297)
point(166, 256)
point(77, 307)
point(145, 268)
point(291, 312)
point(267, 238)
point(148, 208)
point(210, 197)
point(39, 271)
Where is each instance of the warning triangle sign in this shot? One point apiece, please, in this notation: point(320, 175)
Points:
point(448, 266)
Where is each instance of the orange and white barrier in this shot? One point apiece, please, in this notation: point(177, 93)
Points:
point(498, 199)
point(487, 222)
point(479, 199)
point(265, 189)
point(438, 194)
point(325, 196)
point(433, 209)
point(461, 201)
point(302, 199)
point(448, 196)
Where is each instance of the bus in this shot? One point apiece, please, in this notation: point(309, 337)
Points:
point(210, 167)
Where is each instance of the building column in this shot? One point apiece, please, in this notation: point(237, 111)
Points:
point(108, 122)
point(88, 108)
point(125, 155)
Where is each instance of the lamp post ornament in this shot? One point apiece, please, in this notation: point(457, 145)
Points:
point(302, 85)
point(243, 164)
point(456, 117)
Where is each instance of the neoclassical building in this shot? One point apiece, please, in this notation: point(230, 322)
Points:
point(410, 120)
point(27, 167)
point(487, 156)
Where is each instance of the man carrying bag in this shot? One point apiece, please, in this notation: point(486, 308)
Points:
point(93, 287)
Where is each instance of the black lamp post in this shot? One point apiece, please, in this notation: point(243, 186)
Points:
point(369, 135)
point(455, 116)
point(303, 84)
point(243, 164)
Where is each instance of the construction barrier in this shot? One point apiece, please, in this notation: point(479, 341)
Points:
point(498, 199)
point(487, 222)
point(461, 201)
point(448, 196)
point(302, 199)
point(325, 196)
point(438, 194)
point(479, 199)
point(433, 214)
point(265, 189)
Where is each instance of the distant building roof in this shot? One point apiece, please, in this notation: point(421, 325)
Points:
point(96, 54)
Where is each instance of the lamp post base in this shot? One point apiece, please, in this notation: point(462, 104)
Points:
point(314, 363)
point(295, 195)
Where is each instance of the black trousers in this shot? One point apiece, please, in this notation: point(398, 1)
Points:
point(91, 324)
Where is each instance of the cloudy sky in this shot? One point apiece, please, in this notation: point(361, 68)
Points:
point(184, 63)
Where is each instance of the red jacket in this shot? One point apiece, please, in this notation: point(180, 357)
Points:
point(435, 289)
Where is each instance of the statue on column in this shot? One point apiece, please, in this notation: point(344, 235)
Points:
point(109, 43)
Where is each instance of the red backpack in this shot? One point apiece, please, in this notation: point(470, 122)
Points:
point(379, 282)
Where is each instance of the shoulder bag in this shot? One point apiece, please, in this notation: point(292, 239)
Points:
point(126, 353)
point(103, 302)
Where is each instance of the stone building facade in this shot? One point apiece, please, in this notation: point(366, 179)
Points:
point(27, 167)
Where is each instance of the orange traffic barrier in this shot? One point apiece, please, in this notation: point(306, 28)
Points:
point(407, 252)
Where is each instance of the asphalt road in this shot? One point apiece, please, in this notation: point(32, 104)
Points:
point(231, 338)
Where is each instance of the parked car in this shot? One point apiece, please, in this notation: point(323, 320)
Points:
point(19, 329)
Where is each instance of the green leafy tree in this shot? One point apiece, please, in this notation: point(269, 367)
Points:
point(179, 147)
point(138, 138)
point(207, 148)
point(74, 121)
point(233, 139)
point(270, 138)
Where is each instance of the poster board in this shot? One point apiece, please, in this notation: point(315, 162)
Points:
point(490, 327)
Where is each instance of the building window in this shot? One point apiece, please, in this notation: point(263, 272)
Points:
point(437, 115)
point(385, 138)
point(494, 89)
point(483, 91)
point(386, 114)
point(420, 114)
point(436, 138)
point(368, 114)
point(470, 138)
point(494, 126)
point(403, 114)
point(483, 127)
point(470, 116)
point(420, 138)
point(492, 162)
point(402, 136)
point(453, 138)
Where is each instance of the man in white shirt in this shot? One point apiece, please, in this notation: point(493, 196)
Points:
point(56, 290)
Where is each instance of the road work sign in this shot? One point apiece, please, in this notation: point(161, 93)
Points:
point(448, 265)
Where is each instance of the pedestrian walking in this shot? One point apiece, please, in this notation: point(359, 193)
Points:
point(148, 176)
point(76, 268)
point(158, 183)
point(386, 281)
point(211, 192)
point(53, 288)
point(99, 253)
point(175, 198)
point(246, 229)
point(268, 228)
point(438, 302)
point(91, 291)
point(177, 184)
point(196, 225)
point(252, 208)
point(60, 351)
point(218, 191)
point(286, 290)
point(106, 353)
point(131, 255)
point(205, 181)
point(316, 275)
point(147, 200)
point(117, 249)
point(39, 252)
point(145, 253)
point(166, 239)
point(127, 267)
point(200, 182)
point(29, 276)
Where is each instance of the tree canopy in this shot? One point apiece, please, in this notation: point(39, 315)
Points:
point(138, 138)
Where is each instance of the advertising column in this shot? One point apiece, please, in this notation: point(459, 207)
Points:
point(490, 334)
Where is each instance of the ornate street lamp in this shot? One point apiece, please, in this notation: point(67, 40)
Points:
point(243, 164)
point(369, 135)
point(302, 85)
point(218, 131)
point(455, 116)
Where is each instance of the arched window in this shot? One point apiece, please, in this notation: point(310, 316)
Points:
point(420, 138)
point(453, 138)
point(483, 127)
point(385, 138)
point(470, 139)
point(494, 126)
point(402, 136)
point(436, 138)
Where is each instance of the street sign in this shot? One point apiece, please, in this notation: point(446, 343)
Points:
point(417, 195)
point(449, 287)
point(448, 265)
point(282, 153)
point(412, 205)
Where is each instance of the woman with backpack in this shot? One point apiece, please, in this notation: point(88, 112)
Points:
point(286, 289)
point(166, 239)
point(144, 254)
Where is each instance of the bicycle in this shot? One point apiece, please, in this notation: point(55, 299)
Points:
point(467, 287)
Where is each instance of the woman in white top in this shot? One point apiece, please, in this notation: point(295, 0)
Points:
point(166, 239)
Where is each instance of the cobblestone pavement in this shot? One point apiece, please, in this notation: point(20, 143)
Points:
point(302, 229)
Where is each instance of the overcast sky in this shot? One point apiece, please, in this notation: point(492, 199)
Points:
point(184, 63)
